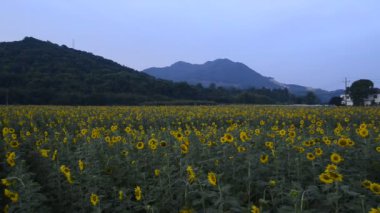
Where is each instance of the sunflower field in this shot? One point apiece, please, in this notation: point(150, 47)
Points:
point(189, 159)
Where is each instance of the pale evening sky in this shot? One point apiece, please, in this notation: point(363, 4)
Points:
point(308, 42)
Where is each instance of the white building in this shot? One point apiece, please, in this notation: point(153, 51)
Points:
point(346, 100)
point(373, 99)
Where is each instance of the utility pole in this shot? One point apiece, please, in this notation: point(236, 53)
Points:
point(346, 82)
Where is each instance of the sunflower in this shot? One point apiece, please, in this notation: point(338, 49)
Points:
point(94, 199)
point(128, 129)
point(327, 142)
point(331, 168)
point(156, 172)
point(190, 174)
point(363, 133)
point(310, 156)
point(229, 138)
point(255, 209)
point(5, 182)
point(184, 148)
point(54, 155)
point(14, 144)
point(81, 165)
point(212, 178)
point(114, 128)
point(257, 131)
point(373, 210)
point(152, 141)
point(113, 139)
point(378, 149)
point(44, 152)
point(343, 142)
point(66, 172)
point(363, 126)
point(243, 136)
point(272, 183)
point(299, 149)
point(179, 136)
point(366, 184)
point(5, 131)
point(264, 159)
point(138, 193)
point(336, 158)
point(292, 134)
point(125, 153)
point(14, 136)
point(269, 145)
point(375, 188)
point(318, 151)
point(336, 176)
point(325, 178)
point(153, 146)
point(223, 140)
point(241, 149)
point(187, 132)
point(11, 195)
point(83, 132)
point(11, 156)
point(140, 145)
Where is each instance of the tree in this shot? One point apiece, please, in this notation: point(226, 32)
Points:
point(337, 101)
point(360, 90)
point(311, 98)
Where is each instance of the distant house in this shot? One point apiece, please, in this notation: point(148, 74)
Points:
point(346, 100)
point(373, 99)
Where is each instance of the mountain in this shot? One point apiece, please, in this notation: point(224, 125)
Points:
point(40, 72)
point(323, 95)
point(226, 73)
point(221, 72)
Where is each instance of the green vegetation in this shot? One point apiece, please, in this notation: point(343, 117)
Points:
point(38, 72)
point(187, 159)
point(360, 90)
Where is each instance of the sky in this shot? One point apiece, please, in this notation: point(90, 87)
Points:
point(315, 43)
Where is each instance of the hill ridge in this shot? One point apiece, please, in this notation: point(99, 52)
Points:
point(41, 72)
point(233, 74)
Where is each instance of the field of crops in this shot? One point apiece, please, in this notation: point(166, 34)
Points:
point(189, 159)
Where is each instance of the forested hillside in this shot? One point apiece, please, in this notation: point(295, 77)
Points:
point(39, 72)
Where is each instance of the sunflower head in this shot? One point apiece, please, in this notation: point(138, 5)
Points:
point(212, 178)
point(375, 188)
point(310, 156)
point(94, 199)
point(336, 158)
point(366, 184)
point(264, 159)
point(325, 178)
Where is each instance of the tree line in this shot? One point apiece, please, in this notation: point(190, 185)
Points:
point(39, 72)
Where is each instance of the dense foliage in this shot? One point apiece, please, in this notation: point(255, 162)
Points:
point(360, 90)
point(37, 72)
point(189, 159)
